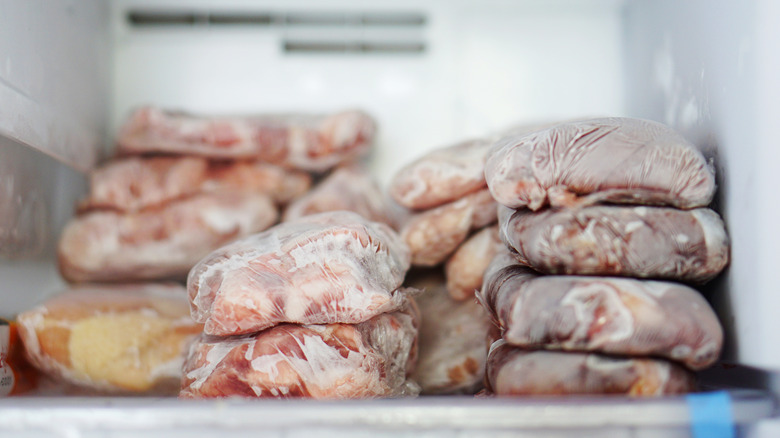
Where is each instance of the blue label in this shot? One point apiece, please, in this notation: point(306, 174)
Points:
point(711, 415)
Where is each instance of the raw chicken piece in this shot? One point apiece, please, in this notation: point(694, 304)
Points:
point(441, 176)
point(466, 268)
point(349, 189)
point(158, 243)
point(135, 183)
point(512, 371)
point(616, 160)
point(324, 268)
point(647, 242)
point(120, 338)
point(306, 142)
point(333, 361)
point(454, 340)
point(434, 234)
point(602, 314)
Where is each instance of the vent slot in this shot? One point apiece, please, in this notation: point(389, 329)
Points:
point(360, 47)
point(141, 18)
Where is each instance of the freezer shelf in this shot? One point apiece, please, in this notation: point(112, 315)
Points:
point(747, 390)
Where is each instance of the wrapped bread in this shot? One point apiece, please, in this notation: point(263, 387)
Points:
point(623, 316)
point(333, 361)
point(120, 338)
point(454, 341)
point(432, 235)
point(647, 242)
point(466, 268)
point(134, 183)
point(162, 243)
point(347, 188)
point(513, 371)
point(441, 176)
point(305, 142)
point(324, 268)
point(615, 160)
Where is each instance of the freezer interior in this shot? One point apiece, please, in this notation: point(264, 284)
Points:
point(431, 72)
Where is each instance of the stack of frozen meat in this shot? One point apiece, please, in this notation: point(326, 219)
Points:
point(180, 187)
point(312, 307)
point(605, 224)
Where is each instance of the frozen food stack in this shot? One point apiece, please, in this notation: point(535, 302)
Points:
point(312, 307)
point(604, 220)
point(181, 186)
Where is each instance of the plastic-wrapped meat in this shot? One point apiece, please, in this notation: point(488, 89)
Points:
point(349, 189)
point(333, 361)
point(432, 235)
point(512, 371)
point(119, 338)
point(306, 142)
point(324, 268)
point(441, 176)
point(135, 183)
point(454, 340)
point(617, 160)
point(158, 243)
point(466, 268)
point(647, 242)
point(602, 314)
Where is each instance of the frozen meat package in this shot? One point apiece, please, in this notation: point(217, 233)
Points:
point(371, 359)
point(307, 142)
point(615, 160)
point(652, 242)
point(466, 267)
point(324, 268)
point(620, 316)
point(129, 338)
point(158, 243)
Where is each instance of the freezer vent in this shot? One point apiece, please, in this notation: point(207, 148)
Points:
point(301, 32)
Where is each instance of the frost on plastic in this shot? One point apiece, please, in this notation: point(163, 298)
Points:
point(306, 142)
point(135, 183)
point(334, 361)
point(432, 235)
point(161, 243)
point(324, 268)
point(454, 340)
point(616, 160)
point(512, 371)
point(602, 314)
point(350, 189)
point(651, 242)
point(120, 338)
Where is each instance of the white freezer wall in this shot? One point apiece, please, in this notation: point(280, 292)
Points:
point(711, 70)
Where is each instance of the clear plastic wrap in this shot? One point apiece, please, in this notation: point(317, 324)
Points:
point(305, 142)
point(618, 160)
point(324, 268)
point(333, 361)
point(513, 371)
point(350, 189)
point(441, 176)
point(160, 243)
point(454, 341)
point(600, 314)
point(135, 183)
point(118, 338)
point(466, 267)
point(647, 242)
point(432, 235)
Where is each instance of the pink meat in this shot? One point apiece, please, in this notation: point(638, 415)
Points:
point(602, 314)
point(325, 268)
point(647, 242)
point(466, 267)
point(333, 361)
point(616, 160)
point(158, 243)
point(512, 371)
point(432, 235)
point(306, 142)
